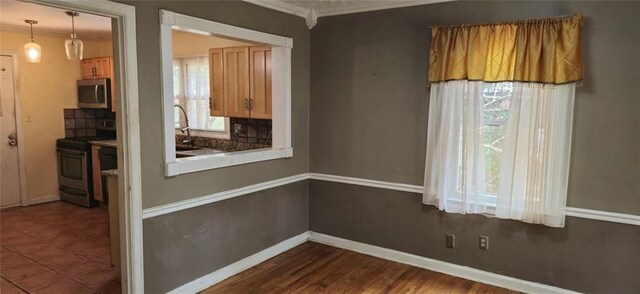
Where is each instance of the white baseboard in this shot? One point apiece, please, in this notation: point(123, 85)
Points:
point(44, 199)
point(237, 267)
point(464, 272)
point(438, 266)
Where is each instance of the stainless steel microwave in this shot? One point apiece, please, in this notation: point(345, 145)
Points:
point(95, 93)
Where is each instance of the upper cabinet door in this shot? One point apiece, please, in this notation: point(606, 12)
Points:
point(87, 68)
point(236, 81)
point(103, 67)
point(216, 101)
point(260, 82)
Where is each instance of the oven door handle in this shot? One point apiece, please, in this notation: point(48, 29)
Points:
point(72, 191)
point(69, 151)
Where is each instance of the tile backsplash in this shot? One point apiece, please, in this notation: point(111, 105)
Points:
point(82, 122)
point(250, 130)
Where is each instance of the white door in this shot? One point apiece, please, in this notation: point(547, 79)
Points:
point(9, 169)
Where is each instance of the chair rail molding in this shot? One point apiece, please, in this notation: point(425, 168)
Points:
point(623, 218)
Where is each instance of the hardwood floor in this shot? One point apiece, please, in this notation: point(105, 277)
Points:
point(317, 268)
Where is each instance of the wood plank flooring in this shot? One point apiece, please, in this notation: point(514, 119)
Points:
point(317, 268)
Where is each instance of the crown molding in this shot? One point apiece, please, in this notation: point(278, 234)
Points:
point(311, 15)
point(56, 34)
point(374, 5)
point(281, 6)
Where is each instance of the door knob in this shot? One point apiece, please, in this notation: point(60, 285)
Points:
point(12, 140)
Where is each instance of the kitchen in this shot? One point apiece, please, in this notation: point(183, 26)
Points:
point(59, 227)
point(63, 200)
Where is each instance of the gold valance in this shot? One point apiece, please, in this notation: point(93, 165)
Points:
point(537, 51)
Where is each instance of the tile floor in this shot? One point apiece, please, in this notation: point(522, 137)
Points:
point(55, 247)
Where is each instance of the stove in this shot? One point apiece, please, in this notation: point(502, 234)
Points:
point(75, 165)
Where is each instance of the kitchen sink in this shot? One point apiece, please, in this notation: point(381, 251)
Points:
point(186, 148)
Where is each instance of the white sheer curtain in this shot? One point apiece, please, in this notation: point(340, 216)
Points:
point(191, 91)
point(499, 149)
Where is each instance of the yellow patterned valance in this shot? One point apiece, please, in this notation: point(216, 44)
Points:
point(538, 51)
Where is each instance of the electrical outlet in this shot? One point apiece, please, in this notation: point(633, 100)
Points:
point(484, 242)
point(450, 241)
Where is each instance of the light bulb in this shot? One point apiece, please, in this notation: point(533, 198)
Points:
point(33, 52)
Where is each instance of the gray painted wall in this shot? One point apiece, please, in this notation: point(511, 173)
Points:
point(156, 188)
point(370, 98)
point(369, 106)
point(186, 245)
point(369, 70)
point(587, 256)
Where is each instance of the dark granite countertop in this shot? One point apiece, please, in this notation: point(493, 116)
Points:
point(105, 143)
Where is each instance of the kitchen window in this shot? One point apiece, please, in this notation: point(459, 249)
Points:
point(191, 91)
point(256, 87)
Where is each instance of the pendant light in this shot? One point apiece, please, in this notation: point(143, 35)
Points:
point(32, 51)
point(73, 46)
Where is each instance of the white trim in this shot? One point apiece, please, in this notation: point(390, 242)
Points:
point(219, 196)
point(281, 87)
point(451, 269)
point(237, 267)
point(22, 154)
point(438, 266)
point(215, 197)
point(615, 217)
point(366, 182)
point(218, 160)
point(311, 15)
point(365, 6)
point(281, 6)
point(128, 125)
point(606, 216)
point(44, 199)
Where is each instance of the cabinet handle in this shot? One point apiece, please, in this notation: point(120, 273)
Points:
point(250, 103)
point(246, 103)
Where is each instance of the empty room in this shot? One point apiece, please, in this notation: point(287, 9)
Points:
point(320, 146)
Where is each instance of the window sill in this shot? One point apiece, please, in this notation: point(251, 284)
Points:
point(214, 161)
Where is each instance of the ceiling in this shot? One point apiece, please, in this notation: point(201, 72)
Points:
point(51, 20)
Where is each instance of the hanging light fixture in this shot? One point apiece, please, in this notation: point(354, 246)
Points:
point(73, 46)
point(32, 51)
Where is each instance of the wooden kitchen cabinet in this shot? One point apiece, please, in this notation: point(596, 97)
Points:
point(240, 82)
point(260, 82)
point(87, 68)
point(236, 81)
point(96, 68)
point(100, 68)
point(216, 101)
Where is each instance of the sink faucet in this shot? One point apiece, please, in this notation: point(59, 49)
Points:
point(187, 128)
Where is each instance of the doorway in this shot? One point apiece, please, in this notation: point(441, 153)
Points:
point(10, 170)
point(127, 124)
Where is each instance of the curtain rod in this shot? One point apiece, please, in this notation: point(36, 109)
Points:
point(507, 22)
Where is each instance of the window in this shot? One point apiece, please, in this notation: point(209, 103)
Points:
point(191, 91)
point(496, 99)
point(278, 83)
point(499, 149)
